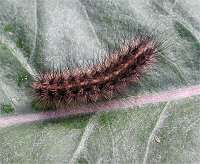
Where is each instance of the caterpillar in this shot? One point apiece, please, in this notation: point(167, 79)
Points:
point(101, 81)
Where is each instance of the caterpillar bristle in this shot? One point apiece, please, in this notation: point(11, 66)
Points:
point(101, 81)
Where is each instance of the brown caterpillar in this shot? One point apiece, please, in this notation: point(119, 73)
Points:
point(101, 81)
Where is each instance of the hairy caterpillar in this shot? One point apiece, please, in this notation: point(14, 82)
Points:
point(101, 81)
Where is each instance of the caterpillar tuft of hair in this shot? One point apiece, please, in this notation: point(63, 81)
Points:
point(99, 82)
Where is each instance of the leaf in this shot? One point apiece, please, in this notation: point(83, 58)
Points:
point(161, 133)
point(35, 34)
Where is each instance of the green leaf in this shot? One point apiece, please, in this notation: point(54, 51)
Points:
point(38, 34)
point(6, 108)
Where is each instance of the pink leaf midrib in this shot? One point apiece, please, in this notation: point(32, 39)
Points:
point(112, 105)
